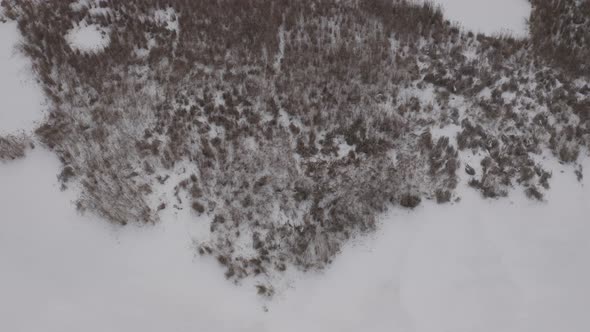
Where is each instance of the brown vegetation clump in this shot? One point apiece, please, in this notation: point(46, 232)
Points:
point(292, 124)
point(560, 32)
point(410, 201)
point(14, 147)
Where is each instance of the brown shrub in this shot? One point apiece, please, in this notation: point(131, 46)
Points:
point(410, 201)
point(443, 196)
point(198, 207)
point(13, 147)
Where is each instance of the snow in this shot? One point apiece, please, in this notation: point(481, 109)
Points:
point(79, 5)
point(489, 17)
point(88, 38)
point(20, 98)
point(507, 265)
point(168, 18)
point(66, 272)
point(478, 265)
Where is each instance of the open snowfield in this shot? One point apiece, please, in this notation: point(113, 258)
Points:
point(489, 17)
point(507, 265)
point(474, 266)
point(20, 97)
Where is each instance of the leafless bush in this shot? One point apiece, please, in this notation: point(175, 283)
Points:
point(443, 196)
point(534, 193)
point(14, 146)
point(560, 31)
point(410, 201)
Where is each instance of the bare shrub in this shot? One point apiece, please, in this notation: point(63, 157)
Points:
point(410, 201)
point(443, 196)
point(198, 207)
point(14, 147)
point(534, 193)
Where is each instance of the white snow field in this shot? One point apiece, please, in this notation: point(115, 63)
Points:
point(489, 17)
point(510, 265)
point(20, 98)
point(505, 265)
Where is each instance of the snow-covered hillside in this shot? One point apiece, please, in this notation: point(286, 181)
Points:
point(512, 265)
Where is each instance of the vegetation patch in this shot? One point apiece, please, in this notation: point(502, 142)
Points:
point(294, 124)
point(14, 147)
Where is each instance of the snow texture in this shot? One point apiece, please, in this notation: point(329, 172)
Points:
point(168, 18)
point(505, 265)
point(88, 38)
point(20, 98)
point(489, 17)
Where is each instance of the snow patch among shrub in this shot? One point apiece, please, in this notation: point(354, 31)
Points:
point(168, 18)
point(89, 38)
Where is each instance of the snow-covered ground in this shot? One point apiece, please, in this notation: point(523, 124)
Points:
point(64, 272)
point(478, 265)
point(88, 38)
point(506, 265)
point(20, 98)
point(489, 17)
